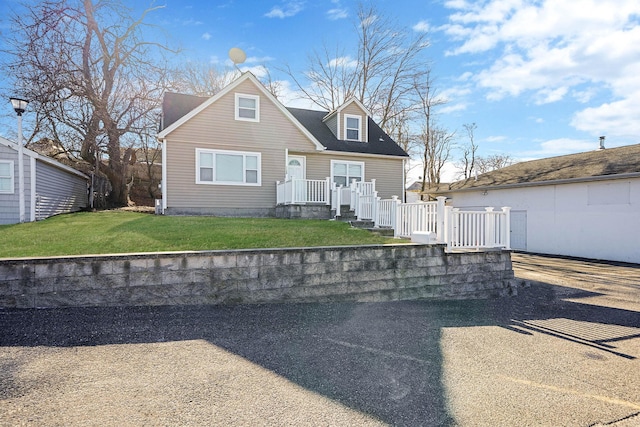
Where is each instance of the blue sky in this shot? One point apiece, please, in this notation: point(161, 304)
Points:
point(539, 78)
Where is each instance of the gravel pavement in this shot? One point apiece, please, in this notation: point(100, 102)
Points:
point(564, 352)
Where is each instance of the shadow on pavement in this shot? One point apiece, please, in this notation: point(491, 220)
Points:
point(382, 359)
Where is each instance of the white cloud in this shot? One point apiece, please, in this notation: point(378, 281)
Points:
point(452, 108)
point(552, 49)
point(421, 27)
point(191, 22)
point(343, 61)
point(616, 118)
point(495, 138)
point(584, 96)
point(337, 13)
point(548, 95)
point(206, 36)
point(559, 147)
point(287, 10)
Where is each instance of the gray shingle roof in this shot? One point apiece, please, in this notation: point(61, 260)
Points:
point(588, 165)
point(176, 105)
point(378, 143)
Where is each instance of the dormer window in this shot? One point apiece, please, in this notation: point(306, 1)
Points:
point(247, 107)
point(352, 125)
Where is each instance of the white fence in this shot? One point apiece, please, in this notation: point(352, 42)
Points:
point(477, 229)
point(459, 230)
point(303, 191)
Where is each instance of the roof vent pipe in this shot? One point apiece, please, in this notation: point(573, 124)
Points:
point(602, 142)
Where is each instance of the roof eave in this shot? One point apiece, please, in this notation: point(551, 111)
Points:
point(542, 183)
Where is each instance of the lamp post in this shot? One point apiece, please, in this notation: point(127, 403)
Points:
point(20, 105)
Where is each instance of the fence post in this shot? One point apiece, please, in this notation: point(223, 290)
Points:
point(448, 226)
point(373, 185)
point(327, 191)
point(374, 208)
point(440, 215)
point(489, 228)
point(395, 220)
point(507, 227)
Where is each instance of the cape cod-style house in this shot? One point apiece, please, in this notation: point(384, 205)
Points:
point(242, 153)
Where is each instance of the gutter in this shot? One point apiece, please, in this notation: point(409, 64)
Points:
point(543, 183)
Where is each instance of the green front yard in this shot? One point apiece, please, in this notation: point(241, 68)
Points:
point(122, 232)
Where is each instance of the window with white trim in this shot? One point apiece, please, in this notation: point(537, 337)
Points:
point(228, 167)
point(352, 128)
point(247, 107)
point(343, 172)
point(6, 177)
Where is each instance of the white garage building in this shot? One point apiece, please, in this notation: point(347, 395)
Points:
point(583, 205)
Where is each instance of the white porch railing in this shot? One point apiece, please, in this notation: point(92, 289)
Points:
point(303, 191)
point(459, 230)
point(477, 229)
point(412, 217)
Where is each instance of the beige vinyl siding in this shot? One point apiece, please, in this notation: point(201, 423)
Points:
point(332, 124)
point(216, 128)
point(388, 172)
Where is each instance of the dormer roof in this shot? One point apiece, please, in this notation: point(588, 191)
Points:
point(345, 105)
point(378, 143)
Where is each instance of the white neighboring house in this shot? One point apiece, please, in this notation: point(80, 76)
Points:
point(583, 205)
point(50, 187)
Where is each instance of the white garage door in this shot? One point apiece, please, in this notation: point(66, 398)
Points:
point(519, 230)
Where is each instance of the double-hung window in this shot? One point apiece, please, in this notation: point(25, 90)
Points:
point(6, 177)
point(352, 127)
point(228, 167)
point(247, 107)
point(344, 172)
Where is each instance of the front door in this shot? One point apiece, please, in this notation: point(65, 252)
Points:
point(295, 167)
point(296, 172)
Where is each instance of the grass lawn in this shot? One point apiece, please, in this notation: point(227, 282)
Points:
point(122, 232)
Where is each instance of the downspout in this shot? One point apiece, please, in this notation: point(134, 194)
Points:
point(404, 181)
point(164, 174)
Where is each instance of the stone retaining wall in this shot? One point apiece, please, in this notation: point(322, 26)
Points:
point(362, 273)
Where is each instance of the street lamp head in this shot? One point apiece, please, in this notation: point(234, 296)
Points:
point(19, 105)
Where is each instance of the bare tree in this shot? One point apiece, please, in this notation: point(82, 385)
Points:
point(436, 143)
point(91, 77)
point(468, 160)
point(380, 73)
point(202, 79)
point(493, 162)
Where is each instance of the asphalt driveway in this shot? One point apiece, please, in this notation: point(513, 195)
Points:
point(564, 352)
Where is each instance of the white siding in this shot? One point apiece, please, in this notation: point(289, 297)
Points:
point(9, 212)
point(58, 191)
